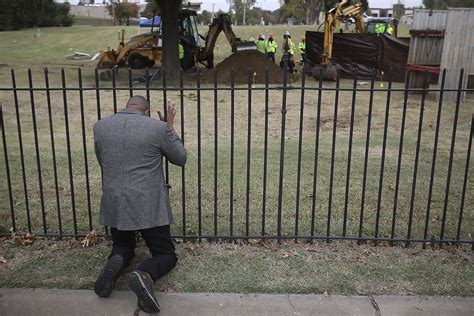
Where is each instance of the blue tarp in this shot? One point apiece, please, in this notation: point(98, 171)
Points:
point(149, 22)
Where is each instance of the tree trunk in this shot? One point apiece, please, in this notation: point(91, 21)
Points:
point(169, 24)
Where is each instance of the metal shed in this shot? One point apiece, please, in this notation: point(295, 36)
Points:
point(442, 39)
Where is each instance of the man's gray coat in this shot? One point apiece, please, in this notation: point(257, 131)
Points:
point(130, 147)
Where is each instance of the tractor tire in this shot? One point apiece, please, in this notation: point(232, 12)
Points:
point(188, 60)
point(137, 61)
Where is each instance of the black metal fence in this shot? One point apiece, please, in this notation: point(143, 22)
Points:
point(357, 160)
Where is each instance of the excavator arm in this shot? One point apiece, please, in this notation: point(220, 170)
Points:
point(334, 17)
point(223, 23)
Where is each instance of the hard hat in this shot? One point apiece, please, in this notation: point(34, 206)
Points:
point(287, 33)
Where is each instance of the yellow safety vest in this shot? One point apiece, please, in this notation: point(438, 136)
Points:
point(291, 46)
point(379, 27)
point(271, 46)
point(261, 45)
point(180, 51)
point(390, 29)
point(302, 47)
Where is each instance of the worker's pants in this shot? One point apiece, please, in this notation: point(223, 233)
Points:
point(303, 58)
point(158, 241)
point(271, 55)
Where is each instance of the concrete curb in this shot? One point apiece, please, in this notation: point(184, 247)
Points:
point(85, 302)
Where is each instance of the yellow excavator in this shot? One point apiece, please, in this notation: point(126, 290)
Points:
point(338, 14)
point(144, 50)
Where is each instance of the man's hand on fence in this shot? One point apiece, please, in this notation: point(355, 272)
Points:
point(170, 116)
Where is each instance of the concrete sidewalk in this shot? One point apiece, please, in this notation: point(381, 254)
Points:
point(85, 302)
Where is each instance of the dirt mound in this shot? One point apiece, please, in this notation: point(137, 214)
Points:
point(241, 62)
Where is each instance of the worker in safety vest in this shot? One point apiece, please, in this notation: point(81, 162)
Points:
point(181, 54)
point(390, 29)
point(271, 47)
point(302, 49)
point(289, 48)
point(261, 44)
point(380, 27)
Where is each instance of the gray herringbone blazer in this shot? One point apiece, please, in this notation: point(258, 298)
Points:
point(130, 147)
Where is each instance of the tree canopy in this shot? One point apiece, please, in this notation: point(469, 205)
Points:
point(19, 14)
point(124, 11)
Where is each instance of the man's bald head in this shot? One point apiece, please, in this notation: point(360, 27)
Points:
point(138, 103)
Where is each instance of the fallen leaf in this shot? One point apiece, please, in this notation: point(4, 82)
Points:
point(285, 255)
point(28, 239)
point(3, 260)
point(255, 242)
point(90, 239)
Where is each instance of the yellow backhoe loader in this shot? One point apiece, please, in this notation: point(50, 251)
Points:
point(144, 50)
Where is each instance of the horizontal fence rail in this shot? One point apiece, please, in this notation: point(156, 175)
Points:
point(354, 159)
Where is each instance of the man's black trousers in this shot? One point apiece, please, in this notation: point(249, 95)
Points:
point(158, 241)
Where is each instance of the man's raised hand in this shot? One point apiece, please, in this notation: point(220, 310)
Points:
point(170, 116)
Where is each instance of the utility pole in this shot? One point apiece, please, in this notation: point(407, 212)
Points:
point(213, 4)
point(244, 2)
point(113, 10)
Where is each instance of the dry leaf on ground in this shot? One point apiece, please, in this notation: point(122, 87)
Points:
point(90, 239)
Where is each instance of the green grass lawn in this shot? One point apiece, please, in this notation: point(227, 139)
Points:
point(339, 268)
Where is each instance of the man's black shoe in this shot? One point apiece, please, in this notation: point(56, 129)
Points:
point(105, 282)
point(141, 283)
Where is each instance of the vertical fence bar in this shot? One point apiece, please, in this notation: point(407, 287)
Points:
point(97, 93)
point(114, 89)
point(249, 148)
point(165, 112)
point(37, 151)
point(265, 156)
point(349, 157)
point(382, 163)
point(232, 130)
point(366, 157)
point(333, 156)
point(316, 152)
point(68, 145)
point(84, 147)
point(216, 155)
point(199, 170)
point(22, 156)
point(400, 154)
point(53, 151)
point(300, 147)
point(282, 148)
point(451, 156)
point(183, 168)
point(147, 85)
point(7, 169)
point(466, 173)
point(130, 82)
point(417, 157)
point(99, 116)
point(433, 161)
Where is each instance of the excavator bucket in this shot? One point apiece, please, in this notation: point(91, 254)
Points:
point(107, 60)
point(244, 45)
point(325, 72)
